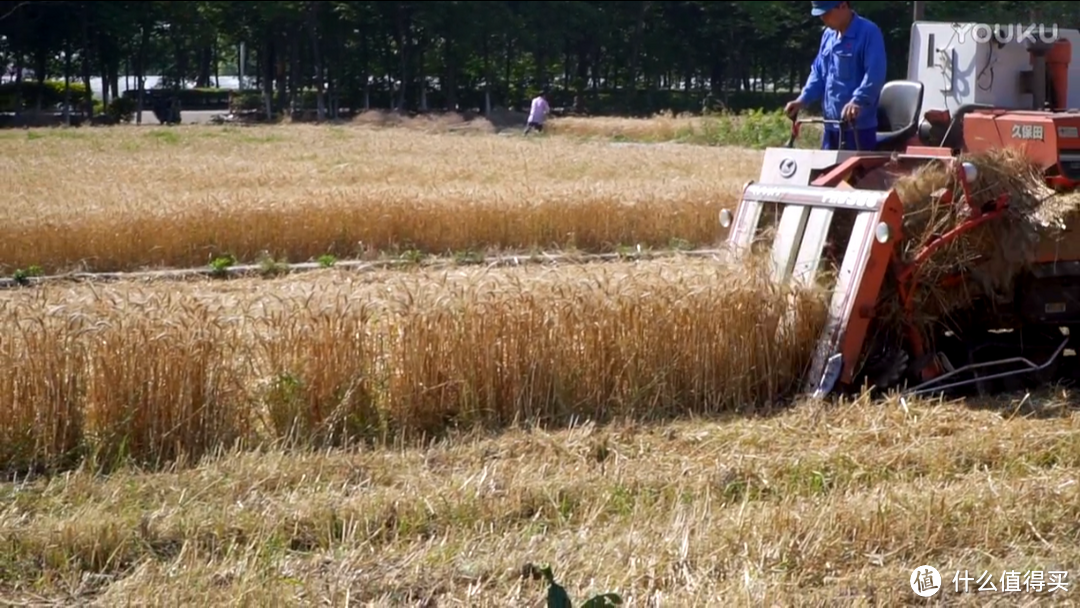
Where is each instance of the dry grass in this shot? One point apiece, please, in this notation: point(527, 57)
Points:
point(500, 120)
point(662, 127)
point(822, 505)
point(153, 373)
point(753, 129)
point(126, 198)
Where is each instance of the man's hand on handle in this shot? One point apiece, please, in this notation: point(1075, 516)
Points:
point(792, 109)
point(850, 112)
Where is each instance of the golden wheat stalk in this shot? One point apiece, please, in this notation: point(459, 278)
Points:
point(159, 371)
point(128, 200)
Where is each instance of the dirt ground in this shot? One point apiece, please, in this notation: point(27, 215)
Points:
point(497, 121)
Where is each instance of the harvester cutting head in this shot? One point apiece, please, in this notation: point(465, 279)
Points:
point(947, 248)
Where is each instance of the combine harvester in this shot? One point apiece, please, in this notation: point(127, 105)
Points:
point(950, 250)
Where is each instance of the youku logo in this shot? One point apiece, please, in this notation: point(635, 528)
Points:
point(1004, 34)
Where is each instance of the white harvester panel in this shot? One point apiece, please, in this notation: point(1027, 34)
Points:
point(958, 65)
point(804, 223)
point(805, 218)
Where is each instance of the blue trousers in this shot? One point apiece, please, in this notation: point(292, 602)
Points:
point(867, 139)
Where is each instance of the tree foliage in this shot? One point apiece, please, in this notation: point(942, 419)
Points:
point(633, 54)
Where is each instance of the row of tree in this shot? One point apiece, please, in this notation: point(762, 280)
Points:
point(618, 55)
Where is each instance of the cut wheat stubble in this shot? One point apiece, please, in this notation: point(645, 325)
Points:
point(823, 500)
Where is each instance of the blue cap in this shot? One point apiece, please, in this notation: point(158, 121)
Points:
point(820, 8)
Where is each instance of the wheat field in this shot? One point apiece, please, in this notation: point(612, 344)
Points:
point(127, 199)
point(425, 437)
point(154, 372)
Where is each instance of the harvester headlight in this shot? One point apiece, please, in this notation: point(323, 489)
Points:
point(726, 218)
point(882, 233)
point(971, 173)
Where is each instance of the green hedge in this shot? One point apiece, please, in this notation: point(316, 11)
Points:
point(48, 94)
point(644, 103)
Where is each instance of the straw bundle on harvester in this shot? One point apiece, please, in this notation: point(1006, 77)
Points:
point(989, 257)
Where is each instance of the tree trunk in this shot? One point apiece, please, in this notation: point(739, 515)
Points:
point(181, 56)
point(389, 68)
point(583, 66)
point(18, 88)
point(286, 73)
point(365, 69)
point(67, 84)
point(489, 72)
point(313, 31)
point(296, 84)
point(635, 50)
point(140, 73)
point(510, 57)
point(566, 67)
point(114, 79)
point(421, 78)
point(206, 59)
point(335, 77)
point(87, 71)
point(20, 22)
point(449, 86)
point(103, 66)
point(597, 66)
point(541, 73)
point(41, 73)
point(268, 76)
point(402, 38)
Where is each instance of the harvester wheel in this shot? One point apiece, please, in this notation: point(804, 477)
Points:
point(884, 370)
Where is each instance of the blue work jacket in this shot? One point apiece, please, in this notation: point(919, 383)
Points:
point(848, 67)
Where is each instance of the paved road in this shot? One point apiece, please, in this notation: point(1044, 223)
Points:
point(194, 117)
point(191, 117)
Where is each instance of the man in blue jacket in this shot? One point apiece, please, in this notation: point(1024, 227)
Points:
point(846, 76)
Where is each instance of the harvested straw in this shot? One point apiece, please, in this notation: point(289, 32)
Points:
point(988, 258)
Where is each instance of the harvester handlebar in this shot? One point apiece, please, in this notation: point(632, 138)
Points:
point(796, 125)
point(820, 121)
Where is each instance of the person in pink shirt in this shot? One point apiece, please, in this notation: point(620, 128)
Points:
point(538, 113)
